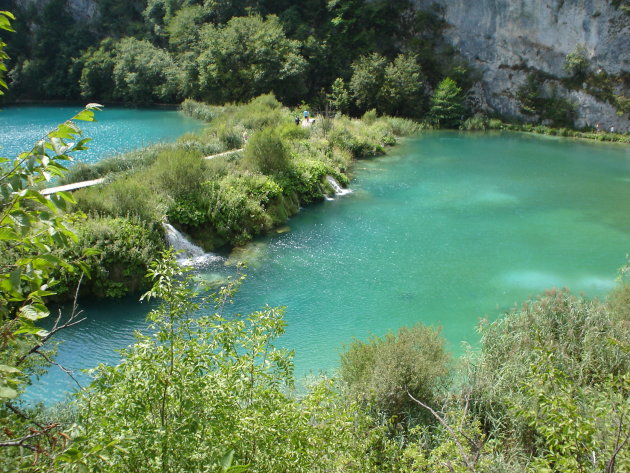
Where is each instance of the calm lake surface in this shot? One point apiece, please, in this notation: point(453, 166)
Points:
point(447, 229)
point(117, 129)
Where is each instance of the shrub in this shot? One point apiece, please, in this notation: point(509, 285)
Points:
point(126, 247)
point(402, 126)
point(477, 122)
point(196, 392)
point(369, 117)
point(200, 111)
point(381, 371)
point(124, 197)
point(177, 173)
point(237, 206)
point(266, 152)
point(577, 63)
point(585, 338)
point(132, 161)
point(308, 177)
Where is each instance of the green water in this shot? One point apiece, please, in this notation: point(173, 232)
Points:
point(116, 130)
point(447, 229)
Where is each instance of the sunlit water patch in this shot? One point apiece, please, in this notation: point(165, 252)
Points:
point(117, 129)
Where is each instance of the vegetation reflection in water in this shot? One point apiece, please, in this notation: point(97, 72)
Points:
point(446, 230)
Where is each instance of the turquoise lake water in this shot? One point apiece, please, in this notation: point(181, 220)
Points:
point(116, 130)
point(447, 229)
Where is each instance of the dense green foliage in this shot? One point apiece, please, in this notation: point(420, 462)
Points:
point(157, 51)
point(125, 248)
point(544, 102)
point(200, 388)
point(546, 391)
point(32, 226)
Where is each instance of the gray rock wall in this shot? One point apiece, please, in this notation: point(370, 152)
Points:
point(507, 39)
point(81, 10)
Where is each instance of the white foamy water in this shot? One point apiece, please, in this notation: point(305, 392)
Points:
point(339, 191)
point(188, 254)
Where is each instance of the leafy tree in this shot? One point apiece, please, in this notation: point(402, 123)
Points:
point(184, 28)
point(97, 69)
point(402, 91)
point(446, 104)
point(144, 73)
point(39, 72)
point(248, 57)
point(339, 96)
point(367, 79)
point(566, 349)
point(117, 19)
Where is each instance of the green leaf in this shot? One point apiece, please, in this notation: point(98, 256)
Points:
point(81, 144)
point(86, 115)
point(9, 369)
point(7, 393)
point(15, 278)
point(91, 252)
point(237, 469)
point(32, 313)
point(226, 461)
point(7, 234)
point(7, 14)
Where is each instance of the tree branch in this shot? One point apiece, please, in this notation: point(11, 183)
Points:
point(56, 327)
point(610, 467)
point(23, 441)
point(462, 452)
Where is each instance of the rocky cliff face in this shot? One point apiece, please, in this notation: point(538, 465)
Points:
point(508, 39)
point(81, 10)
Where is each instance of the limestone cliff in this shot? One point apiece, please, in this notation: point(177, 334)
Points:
point(508, 39)
point(81, 10)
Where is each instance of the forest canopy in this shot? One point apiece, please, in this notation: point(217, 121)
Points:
point(163, 51)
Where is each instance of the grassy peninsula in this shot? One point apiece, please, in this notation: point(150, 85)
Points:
point(223, 201)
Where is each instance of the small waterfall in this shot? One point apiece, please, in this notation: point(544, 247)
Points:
point(339, 191)
point(189, 253)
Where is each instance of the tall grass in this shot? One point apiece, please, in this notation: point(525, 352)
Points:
point(130, 162)
point(200, 111)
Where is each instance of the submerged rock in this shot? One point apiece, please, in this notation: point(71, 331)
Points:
point(251, 255)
